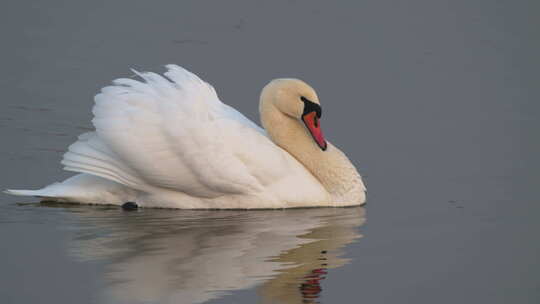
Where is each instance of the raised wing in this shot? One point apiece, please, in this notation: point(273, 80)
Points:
point(175, 133)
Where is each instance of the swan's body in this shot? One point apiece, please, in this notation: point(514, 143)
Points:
point(173, 143)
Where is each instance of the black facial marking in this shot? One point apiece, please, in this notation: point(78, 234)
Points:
point(310, 106)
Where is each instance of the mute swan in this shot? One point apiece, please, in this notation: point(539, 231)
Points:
point(170, 142)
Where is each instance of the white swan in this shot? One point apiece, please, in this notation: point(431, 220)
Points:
point(170, 142)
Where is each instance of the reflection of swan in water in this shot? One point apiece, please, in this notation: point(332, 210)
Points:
point(166, 256)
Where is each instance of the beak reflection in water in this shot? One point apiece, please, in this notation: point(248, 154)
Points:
point(169, 256)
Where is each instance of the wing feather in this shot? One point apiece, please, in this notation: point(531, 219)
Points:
point(173, 132)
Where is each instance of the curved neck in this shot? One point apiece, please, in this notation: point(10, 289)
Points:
point(331, 167)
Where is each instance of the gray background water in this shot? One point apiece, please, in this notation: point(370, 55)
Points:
point(436, 102)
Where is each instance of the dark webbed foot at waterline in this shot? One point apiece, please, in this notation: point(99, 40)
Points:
point(130, 206)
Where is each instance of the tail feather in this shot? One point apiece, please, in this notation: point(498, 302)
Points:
point(82, 188)
point(36, 193)
point(47, 193)
point(104, 178)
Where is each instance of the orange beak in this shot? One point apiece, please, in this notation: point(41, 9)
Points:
point(314, 126)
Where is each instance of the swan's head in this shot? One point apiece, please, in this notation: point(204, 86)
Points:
point(296, 99)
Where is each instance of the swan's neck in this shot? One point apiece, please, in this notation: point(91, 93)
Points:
point(331, 167)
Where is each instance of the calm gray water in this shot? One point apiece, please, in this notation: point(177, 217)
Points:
point(436, 102)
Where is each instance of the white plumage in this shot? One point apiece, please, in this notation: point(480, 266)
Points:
point(170, 142)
